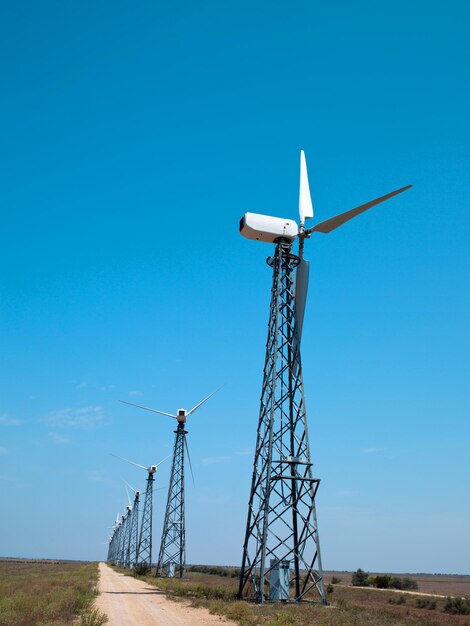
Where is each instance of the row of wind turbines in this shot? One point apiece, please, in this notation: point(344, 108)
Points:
point(281, 558)
point(130, 542)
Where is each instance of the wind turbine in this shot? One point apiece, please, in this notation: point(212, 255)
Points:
point(144, 548)
point(172, 555)
point(134, 530)
point(127, 533)
point(281, 544)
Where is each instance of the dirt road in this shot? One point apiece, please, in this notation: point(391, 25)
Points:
point(130, 602)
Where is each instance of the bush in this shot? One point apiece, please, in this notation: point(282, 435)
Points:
point(330, 588)
point(403, 583)
point(215, 570)
point(409, 584)
point(383, 581)
point(425, 603)
point(400, 600)
point(335, 580)
point(360, 578)
point(142, 569)
point(457, 606)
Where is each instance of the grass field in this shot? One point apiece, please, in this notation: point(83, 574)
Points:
point(350, 606)
point(48, 593)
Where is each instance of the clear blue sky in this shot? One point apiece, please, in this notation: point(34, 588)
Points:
point(133, 138)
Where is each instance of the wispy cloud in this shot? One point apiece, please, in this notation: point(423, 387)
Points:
point(5, 478)
point(6, 420)
point(97, 477)
point(106, 387)
point(245, 452)
point(213, 460)
point(59, 439)
point(3, 450)
point(372, 450)
point(85, 417)
point(136, 393)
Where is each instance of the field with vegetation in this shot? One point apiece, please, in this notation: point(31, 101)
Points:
point(215, 588)
point(48, 593)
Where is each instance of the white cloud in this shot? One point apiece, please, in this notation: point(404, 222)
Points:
point(135, 393)
point(106, 387)
point(3, 450)
point(85, 417)
point(59, 439)
point(372, 450)
point(213, 460)
point(97, 477)
point(6, 420)
point(245, 452)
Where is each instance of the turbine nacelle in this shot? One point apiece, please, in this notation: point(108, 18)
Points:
point(267, 228)
point(273, 229)
point(181, 415)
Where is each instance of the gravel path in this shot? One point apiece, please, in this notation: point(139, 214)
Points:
point(131, 602)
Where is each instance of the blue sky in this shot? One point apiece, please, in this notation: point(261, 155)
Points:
point(133, 138)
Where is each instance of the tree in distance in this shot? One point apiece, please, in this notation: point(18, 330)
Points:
point(360, 578)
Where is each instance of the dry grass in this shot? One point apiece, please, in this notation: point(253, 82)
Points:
point(48, 593)
point(351, 606)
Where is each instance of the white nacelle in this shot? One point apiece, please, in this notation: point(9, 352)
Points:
point(267, 228)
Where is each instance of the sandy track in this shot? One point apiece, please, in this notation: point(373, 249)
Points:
point(130, 602)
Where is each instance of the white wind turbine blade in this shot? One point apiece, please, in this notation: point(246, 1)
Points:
point(128, 498)
point(127, 461)
point(165, 459)
point(202, 401)
point(301, 289)
point(189, 459)
point(334, 222)
point(130, 486)
point(305, 200)
point(147, 408)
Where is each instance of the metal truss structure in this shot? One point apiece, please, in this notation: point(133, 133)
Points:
point(281, 529)
point(172, 556)
point(144, 548)
point(134, 532)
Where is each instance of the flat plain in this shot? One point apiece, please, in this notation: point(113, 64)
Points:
point(46, 593)
point(349, 606)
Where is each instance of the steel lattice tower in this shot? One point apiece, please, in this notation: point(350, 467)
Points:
point(127, 539)
point(172, 556)
point(144, 551)
point(282, 523)
point(134, 532)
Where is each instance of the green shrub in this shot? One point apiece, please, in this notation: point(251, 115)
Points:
point(425, 603)
point(403, 583)
point(382, 581)
point(335, 580)
point(399, 600)
point(330, 588)
point(142, 569)
point(360, 578)
point(457, 606)
point(409, 584)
